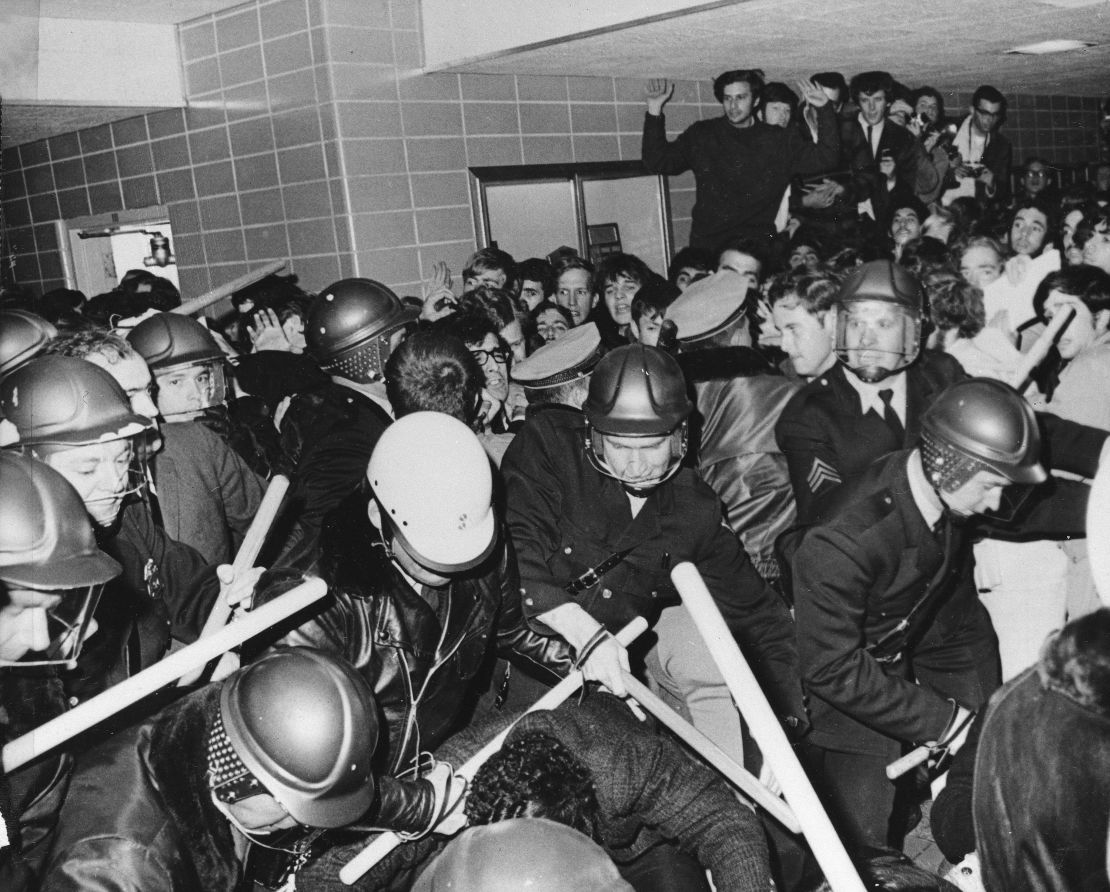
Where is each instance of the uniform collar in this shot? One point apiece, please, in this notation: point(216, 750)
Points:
point(869, 393)
point(924, 496)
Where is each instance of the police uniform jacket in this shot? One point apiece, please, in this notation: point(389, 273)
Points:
point(856, 577)
point(166, 590)
point(566, 518)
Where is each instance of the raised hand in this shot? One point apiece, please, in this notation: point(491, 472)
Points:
point(439, 299)
point(812, 94)
point(658, 93)
point(267, 333)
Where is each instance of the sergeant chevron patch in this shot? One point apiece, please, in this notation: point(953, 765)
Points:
point(820, 474)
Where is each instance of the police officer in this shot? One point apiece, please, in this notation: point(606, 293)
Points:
point(51, 575)
point(600, 509)
point(869, 583)
point(257, 765)
point(187, 364)
point(73, 415)
point(353, 327)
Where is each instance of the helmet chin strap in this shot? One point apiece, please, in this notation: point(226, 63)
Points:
point(871, 374)
point(637, 488)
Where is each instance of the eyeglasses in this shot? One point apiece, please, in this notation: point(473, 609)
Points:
point(497, 355)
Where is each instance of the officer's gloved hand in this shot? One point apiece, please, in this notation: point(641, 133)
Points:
point(415, 808)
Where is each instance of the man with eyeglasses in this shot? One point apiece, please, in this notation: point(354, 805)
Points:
point(982, 168)
point(1036, 182)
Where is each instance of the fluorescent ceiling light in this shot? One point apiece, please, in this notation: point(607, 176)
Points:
point(1049, 46)
point(1071, 4)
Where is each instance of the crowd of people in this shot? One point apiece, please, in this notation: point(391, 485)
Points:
point(867, 402)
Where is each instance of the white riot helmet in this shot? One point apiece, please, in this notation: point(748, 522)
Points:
point(433, 482)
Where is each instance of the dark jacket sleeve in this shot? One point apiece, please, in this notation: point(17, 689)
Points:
point(644, 779)
point(191, 584)
point(811, 157)
point(658, 154)
point(1070, 446)
point(514, 636)
point(950, 818)
point(534, 500)
point(812, 459)
point(834, 580)
point(999, 158)
point(241, 491)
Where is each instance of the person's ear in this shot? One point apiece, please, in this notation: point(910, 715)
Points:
point(593, 303)
point(374, 513)
point(1102, 320)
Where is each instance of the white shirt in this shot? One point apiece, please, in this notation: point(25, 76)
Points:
point(924, 496)
point(876, 134)
point(869, 394)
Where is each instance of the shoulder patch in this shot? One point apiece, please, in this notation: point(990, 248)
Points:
point(822, 474)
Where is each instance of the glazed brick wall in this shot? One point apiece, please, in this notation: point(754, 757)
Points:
point(311, 135)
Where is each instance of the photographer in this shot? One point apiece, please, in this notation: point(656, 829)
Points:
point(928, 124)
point(982, 168)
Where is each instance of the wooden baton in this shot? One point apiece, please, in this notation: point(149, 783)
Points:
point(1039, 350)
point(765, 728)
point(118, 697)
point(190, 307)
point(253, 541)
point(735, 774)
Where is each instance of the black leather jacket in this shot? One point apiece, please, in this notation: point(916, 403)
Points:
point(423, 675)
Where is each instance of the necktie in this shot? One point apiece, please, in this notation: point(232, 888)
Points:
point(870, 141)
point(890, 416)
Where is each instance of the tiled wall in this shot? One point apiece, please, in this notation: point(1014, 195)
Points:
point(1063, 129)
point(311, 135)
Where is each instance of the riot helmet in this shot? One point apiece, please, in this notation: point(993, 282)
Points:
point(75, 416)
point(980, 424)
point(433, 483)
point(636, 417)
point(186, 361)
point(23, 335)
point(878, 324)
point(522, 853)
point(50, 565)
point(300, 725)
point(350, 328)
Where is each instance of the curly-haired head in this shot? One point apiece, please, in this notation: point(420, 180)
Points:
point(534, 776)
point(955, 303)
point(1076, 661)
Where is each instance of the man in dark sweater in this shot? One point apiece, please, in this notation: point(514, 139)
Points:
point(741, 165)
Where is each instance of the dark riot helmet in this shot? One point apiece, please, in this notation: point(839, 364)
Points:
point(23, 336)
point(522, 853)
point(64, 401)
point(349, 328)
point(47, 545)
point(637, 391)
point(862, 326)
point(300, 725)
point(980, 424)
point(172, 344)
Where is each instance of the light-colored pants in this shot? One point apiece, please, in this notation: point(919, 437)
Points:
point(1024, 586)
point(684, 675)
